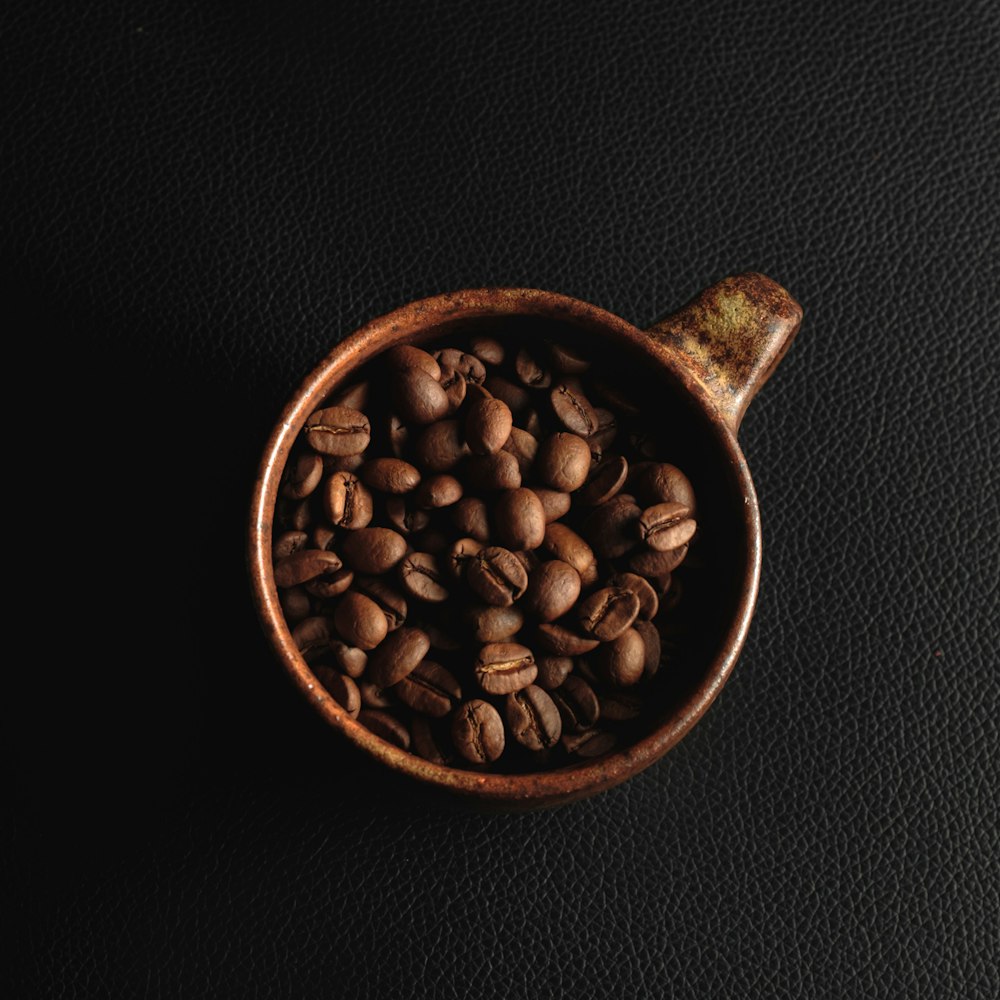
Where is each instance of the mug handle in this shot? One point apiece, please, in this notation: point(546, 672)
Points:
point(730, 338)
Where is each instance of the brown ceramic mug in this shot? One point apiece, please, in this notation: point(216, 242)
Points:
point(693, 374)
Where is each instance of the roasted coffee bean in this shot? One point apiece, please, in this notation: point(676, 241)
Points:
point(459, 554)
point(619, 707)
point(533, 718)
point(421, 577)
point(554, 503)
point(304, 565)
point(608, 612)
point(643, 442)
point(621, 662)
point(650, 563)
point(653, 647)
point(524, 447)
point(469, 365)
point(589, 744)
point(404, 517)
point(342, 463)
point(477, 732)
point(577, 704)
point(553, 588)
point(660, 482)
point(455, 387)
point(496, 575)
point(354, 396)
point(606, 481)
point(373, 550)
point(372, 696)
point(429, 689)
point(288, 542)
point(398, 434)
point(302, 476)
point(649, 603)
point(666, 526)
point(568, 360)
point(553, 670)
point(438, 491)
point(515, 396)
point(563, 462)
point(489, 350)
point(359, 621)
point(613, 527)
point(297, 516)
point(429, 740)
point(404, 356)
point(530, 370)
point(312, 637)
point(441, 638)
point(493, 624)
point(557, 638)
point(573, 409)
point(440, 447)
point(330, 584)
point(338, 430)
point(322, 536)
point(347, 502)
point(385, 726)
point(564, 543)
point(519, 519)
point(488, 424)
point(397, 655)
point(607, 429)
point(391, 602)
point(390, 475)
point(295, 604)
point(342, 689)
point(530, 422)
point(417, 397)
point(672, 593)
point(349, 659)
point(471, 518)
point(502, 667)
point(492, 472)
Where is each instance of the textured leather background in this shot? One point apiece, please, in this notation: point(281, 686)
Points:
point(200, 198)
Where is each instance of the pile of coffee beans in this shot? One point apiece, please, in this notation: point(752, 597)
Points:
point(475, 552)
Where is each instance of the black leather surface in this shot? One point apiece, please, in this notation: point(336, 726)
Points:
point(200, 198)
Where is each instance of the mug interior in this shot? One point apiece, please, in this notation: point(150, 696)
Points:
point(719, 579)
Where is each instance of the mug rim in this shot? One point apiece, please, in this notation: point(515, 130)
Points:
point(405, 325)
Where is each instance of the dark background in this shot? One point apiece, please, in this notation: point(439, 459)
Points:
point(199, 199)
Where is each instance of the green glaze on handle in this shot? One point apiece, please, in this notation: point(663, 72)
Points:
point(731, 337)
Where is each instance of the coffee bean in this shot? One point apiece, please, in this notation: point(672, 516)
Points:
point(302, 476)
point(359, 621)
point(477, 732)
point(568, 360)
point(530, 370)
point(288, 542)
point(563, 462)
point(552, 590)
point(397, 655)
point(445, 639)
point(533, 718)
point(653, 647)
point(471, 518)
point(354, 396)
point(660, 482)
point(403, 517)
point(429, 688)
point(469, 365)
point(619, 707)
point(391, 602)
point(322, 536)
point(349, 659)
point(440, 447)
point(488, 424)
point(398, 434)
point(589, 744)
point(386, 727)
point(672, 593)
point(649, 603)
point(524, 447)
point(372, 696)
point(459, 554)
point(338, 430)
point(347, 502)
point(573, 409)
point(516, 397)
point(417, 397)
point(455, 387)
point(312, 637)
point(295, 604)
point(557, 638)
point(650, 564)
point(421, 577)
point(342, 689)
point(553, 671)
point(489, 350)
point(297, 516)
point(373, 550)
point(608, 612)
point(493, 624)
point(330, 584)
point(564, 543)
point(666, 526)
point(577, 704)
point(429, 741)
point(519, 519)
point(496, 575)
point(607, 429)
point(305, 564)
point(438, 491)
point(390, 475)
point(554, 503)
point(530, 422)
point(621, 662)
point(606, 481)
point(502, 667)
point(404, 356)
point(487, 473)
point(613, 527)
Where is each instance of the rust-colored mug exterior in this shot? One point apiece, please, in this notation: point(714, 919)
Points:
point(718, 350)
